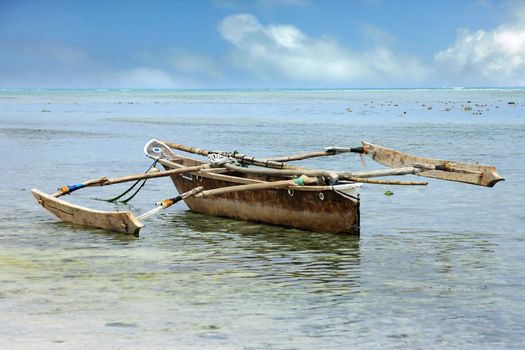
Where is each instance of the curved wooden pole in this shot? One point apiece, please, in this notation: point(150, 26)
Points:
point(328, 151)
point(326, 174)
point(267, 163)
point(302, 181)
point(104, 181)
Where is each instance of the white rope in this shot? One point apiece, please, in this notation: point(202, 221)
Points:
point(217, 160)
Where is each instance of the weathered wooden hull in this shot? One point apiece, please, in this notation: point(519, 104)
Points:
point(313, 208)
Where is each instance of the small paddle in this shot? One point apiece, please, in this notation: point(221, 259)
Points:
point(166, 203)
point(328, 151)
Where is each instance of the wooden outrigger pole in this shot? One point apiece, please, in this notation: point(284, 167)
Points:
point(401, 164)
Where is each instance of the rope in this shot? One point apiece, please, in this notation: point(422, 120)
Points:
point(116, 199)
point(217, 160)
point(343, 194)
point(135, 193)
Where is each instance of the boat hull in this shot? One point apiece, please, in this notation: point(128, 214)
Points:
point(320, 209)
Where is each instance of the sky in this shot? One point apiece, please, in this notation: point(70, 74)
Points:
point(261, 43)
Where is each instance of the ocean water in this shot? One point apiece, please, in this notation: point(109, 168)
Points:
point(436, 267)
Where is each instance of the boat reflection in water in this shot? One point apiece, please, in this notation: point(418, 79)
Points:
point(286, 257)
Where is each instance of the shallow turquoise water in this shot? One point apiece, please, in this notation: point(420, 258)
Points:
point(435, 267)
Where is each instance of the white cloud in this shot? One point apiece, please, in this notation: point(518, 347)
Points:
point(489, 56)
point(284, 51)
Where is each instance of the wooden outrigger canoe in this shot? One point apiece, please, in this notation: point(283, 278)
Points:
point(314, 208)
point(268, 191)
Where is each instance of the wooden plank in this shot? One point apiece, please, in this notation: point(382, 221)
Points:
point(476, 174)
point(123, 221)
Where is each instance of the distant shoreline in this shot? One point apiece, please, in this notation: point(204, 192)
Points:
point(15, 89)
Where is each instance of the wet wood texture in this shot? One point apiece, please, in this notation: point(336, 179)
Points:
point(482, 175)
point(123, 221)
point(313, 208)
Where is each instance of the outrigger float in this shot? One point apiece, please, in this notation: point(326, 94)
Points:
point(238, 186)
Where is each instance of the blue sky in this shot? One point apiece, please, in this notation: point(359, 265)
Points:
point(261, 43)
